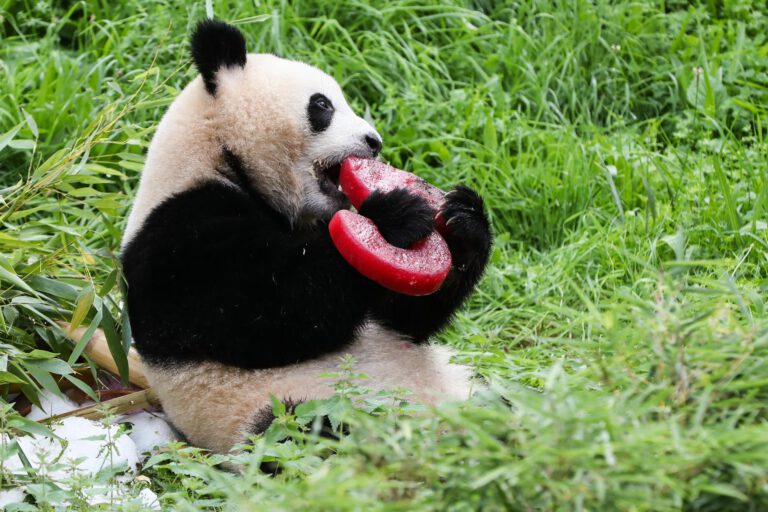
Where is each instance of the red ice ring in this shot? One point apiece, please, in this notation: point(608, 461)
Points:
point(418, 270)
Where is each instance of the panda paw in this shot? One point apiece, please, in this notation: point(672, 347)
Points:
point(401, 217)
point(467, 228)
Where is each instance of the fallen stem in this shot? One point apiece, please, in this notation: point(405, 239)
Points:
point(143, 399)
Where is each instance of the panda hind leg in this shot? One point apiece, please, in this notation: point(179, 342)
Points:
point(265, 416)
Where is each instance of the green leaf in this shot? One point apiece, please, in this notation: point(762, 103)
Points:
point(80, 346)
point(131, 166)
point(56, 366)
point(10, 314)
point(114, 342)
point(31, 123)
point(9, 378)
point(126, 329)
point(731, 209)
point(54, 160)
point(43, 378)
point(30, 427)
point(82, 386)
point(308, 409)
point(82, 307)
point(724, 489)
point(84, 192)
point(9, 275)
point(163, 456)
point(710, 106)
point(490, 139)
point(25, 461)
point(40, 354)
point(278, 407)
point(8, 136)
point(108, 284)
point(53, 287)
point(22, 144)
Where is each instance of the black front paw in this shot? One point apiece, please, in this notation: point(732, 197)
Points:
point(402, 218)
point(466, 227)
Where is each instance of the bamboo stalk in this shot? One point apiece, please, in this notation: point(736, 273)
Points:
point(139, 400)
point(98, 350)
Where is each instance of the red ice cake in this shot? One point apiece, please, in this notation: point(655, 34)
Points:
point(416, 270)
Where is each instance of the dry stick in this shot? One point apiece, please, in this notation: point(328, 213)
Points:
point(98, 350)
point(138, 400)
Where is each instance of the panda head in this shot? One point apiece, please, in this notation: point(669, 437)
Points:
point(283, 126)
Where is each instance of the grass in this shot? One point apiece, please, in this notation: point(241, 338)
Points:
point(622, 327)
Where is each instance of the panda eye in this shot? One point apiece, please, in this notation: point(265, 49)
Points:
point(319, 112)
point(322, 102)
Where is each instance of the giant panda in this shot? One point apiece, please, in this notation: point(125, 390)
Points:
point(235, 291)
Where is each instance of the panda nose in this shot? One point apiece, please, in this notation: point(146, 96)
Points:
point(374, 143)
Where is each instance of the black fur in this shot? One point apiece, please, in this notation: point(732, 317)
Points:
point(216, 274)
point(320, 112)
point(468, 234)
point(402, 217)
point(235, 173)
point(265, 416)
point(216, 45)
point(261, 422)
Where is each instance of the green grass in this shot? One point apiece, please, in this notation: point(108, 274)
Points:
point(622, 327)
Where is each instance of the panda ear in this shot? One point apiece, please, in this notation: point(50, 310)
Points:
point(216, 45)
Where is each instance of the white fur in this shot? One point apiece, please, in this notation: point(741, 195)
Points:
point(259, 112)
point(215, 405)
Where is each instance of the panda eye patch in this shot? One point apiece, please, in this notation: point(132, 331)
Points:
point(320, 112)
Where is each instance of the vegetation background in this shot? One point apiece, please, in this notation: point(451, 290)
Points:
point(622, 328)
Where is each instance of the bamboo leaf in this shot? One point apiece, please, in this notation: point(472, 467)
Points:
point(82, 386)
point(108, 284)
point(82, 307)
point(114, 343)
point(7, 274)
point(31, 123)
point(9, 378)
point(54, 287)
point(43, 378)
point(56, 366)
point(83, 341)
point(40, 354)
point(54, 160)
point(30, 427)
point(126, 334)
point(8, 136)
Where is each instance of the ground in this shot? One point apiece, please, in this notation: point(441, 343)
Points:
point(620, 335)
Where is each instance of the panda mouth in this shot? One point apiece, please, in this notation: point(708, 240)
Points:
point(328, 181)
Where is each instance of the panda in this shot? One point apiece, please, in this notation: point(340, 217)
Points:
point(235, 291)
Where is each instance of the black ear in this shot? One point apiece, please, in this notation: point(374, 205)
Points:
point(216, 45)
